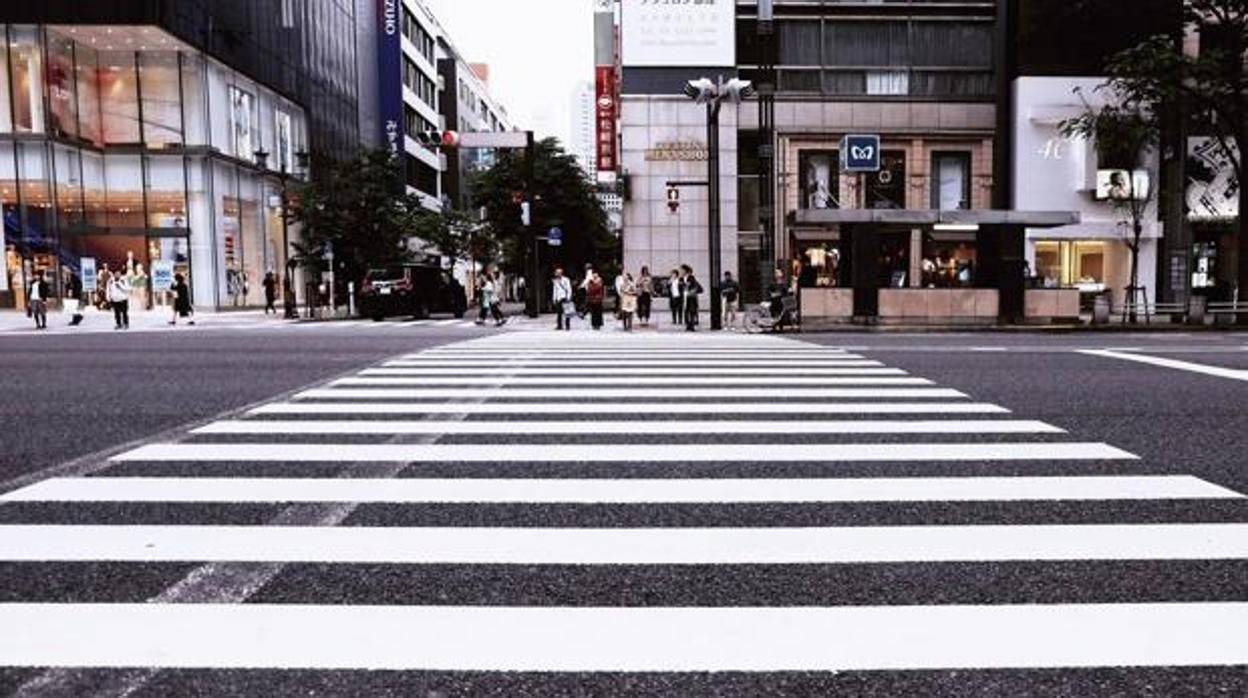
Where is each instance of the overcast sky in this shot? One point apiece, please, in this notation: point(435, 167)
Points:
point(538, 51)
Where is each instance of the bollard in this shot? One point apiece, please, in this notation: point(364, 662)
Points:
point(1196, 307)
point(1100, 310)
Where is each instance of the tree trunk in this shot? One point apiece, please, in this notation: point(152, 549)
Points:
point(1137, 229)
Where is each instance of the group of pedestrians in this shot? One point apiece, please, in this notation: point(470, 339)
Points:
point(635, 297)
point(490, 298)
point(116, 294)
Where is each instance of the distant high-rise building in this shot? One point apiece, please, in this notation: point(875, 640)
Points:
point(583, 145)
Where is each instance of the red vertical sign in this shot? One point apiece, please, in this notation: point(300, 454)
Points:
point(606, 114)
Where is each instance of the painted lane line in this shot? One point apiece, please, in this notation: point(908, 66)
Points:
point(626, 491)
point(621, 546)
point(608, 394)
point(621, 452)
point(560, 639)
point(645, 409)
point(594, 366)
point(587, 427)
point(591, 382)
point(1205, 369)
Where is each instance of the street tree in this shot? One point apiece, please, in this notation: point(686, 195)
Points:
point(1211, 87)
point(353, 211)
point(1126, 137)
point(562, 197)
point(452, 233)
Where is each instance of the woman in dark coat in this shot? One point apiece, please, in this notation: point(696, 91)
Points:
point(181, 300)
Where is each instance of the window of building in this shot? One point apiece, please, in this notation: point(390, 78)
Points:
point(798, 42)
point(819, 175)
point(62, 102)
point(6, 115)
point(951, 181)
point(26, 79)
point(893, 261)
point(242, 107)
point(888, 82)
point(949, 259)
point(421, 176)
point(162, 99)
point(1071, 263)
point(821, 264)
point(119, 98)
point(414, 123)
point(887, 188)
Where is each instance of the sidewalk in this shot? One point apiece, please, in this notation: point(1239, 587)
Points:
point(96, 320)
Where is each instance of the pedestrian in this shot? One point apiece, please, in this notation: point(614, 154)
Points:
point(645, 297)
point(37, 303)
point(101, 286)
point(628, 302)
point(777, 291)
point(270, 293)
point(675, 297)
point(729, 294)
point(496, 302)
point(119, 298)
point(73, 294)
point(595, 296)
point(691, 289)
point(485, 297)
point(561, 298)
point(182, 301)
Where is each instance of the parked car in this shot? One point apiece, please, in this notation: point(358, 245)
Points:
point(411, 289)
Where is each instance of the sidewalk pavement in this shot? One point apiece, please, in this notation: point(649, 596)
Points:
point(95, 320)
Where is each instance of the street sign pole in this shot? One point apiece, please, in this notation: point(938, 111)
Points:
point(532, 297)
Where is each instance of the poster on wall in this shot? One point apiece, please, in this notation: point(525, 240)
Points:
point(699, 34)
point(1212, 187)
point(1122, 185)
point(285, 151)
point(162, 275)
point(88, 274)
point(240, 121)
point(819, 174)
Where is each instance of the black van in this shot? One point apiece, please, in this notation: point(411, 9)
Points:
point(415, 290)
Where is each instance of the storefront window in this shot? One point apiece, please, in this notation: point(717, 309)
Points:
point(252, 238)
point(94, 191)
point(821, 265)
point(38, 240)
point(11, 263)
point(819, 173)
point(62, 102)
point(166, 192)
point(893, 262)
point(1071, 263)
point(887, 188)
point(119, 98)
point(86, 73)
point(194, 100)
point(949, 259)
point(26, 77)
point(284, 148)
point(69, 206)
point(6, 116)
point(162, 101)
point(123, 176)
point(242, 107)
point(951, 181)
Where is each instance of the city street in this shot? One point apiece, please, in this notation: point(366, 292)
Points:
point(403, 509)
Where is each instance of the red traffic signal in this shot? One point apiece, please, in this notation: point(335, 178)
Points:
point(438, 139)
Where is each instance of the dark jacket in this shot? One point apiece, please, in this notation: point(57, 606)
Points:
point(182, 298)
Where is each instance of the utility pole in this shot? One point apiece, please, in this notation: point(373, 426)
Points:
point(766, 142)
point(532, 299)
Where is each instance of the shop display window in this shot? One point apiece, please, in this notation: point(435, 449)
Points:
point(26, 79)
point(887, 188)
point(949, 259)
point(166, 192)
point(162, 109)
point(123, 177)
point(951, 181)
point(1071, 264)
point(119, 98)
point(6, 116)
point(893, 261)
point(820, 265)
point(242, 106)
point(819, 173)
point(86, 75)
point(62, 83)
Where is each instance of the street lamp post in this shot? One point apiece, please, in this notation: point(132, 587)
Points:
point(714, 93)
point(290, 310)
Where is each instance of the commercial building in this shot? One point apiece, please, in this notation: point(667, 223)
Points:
point(584, 119)
point(466, 106)
point(154, 137)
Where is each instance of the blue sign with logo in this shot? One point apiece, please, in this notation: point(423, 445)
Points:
point(554, 237)
point(860, 153)
point(162, 275)
point(389, 74)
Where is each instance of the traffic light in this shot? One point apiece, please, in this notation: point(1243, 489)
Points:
point(438, 139)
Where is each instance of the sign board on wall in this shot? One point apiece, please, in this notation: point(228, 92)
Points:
point(605, 117)
point(698, 33)
point(1212, 187)
point(162, 275)
point(389, 75)
point(860, 153)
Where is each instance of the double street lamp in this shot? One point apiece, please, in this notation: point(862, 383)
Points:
point(283, 176)
point(714, 94)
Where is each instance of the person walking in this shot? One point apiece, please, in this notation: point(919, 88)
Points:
point(270, 293)
point(119, 298)
point(73, 294)
point(485, 297)
point(645, 296)
point(690, 289)
point(628, 302)
point(675, 297)
point(595, 296)
point(37, 301)
point(777, 291)
point(182, 301)
point(496, 302)
point(730, 294)
point(561, 298)
point(101, 286)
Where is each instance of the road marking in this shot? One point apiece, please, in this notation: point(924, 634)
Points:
point(625, 491)
point(1217, 371)
point(592, 382)
point(598, 427)
point(743, 365)
point(606, 394)
point(555, 639)
point(646, 409)
point(622, 452)
point(622, 546)
point(615, 370)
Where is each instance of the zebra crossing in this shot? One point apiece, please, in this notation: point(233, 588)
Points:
point(545, 502)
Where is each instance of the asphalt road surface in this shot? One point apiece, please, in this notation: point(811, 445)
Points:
point(436, 511)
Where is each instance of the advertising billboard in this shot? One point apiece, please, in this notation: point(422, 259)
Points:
point(389, 55)
point(698, 33)
point(1212, 187)
point(1122, 185)
point(605, 117)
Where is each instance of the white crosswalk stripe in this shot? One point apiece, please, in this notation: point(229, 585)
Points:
point(634, 459)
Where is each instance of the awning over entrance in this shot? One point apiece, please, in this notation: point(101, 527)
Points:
point(921, 217)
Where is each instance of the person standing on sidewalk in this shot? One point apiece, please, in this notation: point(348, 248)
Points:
point(270, 293)
point(595, 296)
point(730, 294)
point(645, 296)
point(182, 300)
point(628, 302)
point(119, 298)
point(485, 297)
point(691, 289)
point(561, 298)
point(37, 304)
point(73, 294)
point(675, 297)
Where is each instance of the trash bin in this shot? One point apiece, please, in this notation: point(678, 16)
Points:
point(1196, 306)
point(1100, 310)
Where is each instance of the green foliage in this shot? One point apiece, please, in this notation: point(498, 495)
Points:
point(452, 233)
point(359, 208)
point(563, 197)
